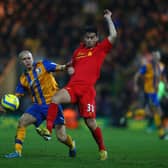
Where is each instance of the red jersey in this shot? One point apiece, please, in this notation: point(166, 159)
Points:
point(87, 63)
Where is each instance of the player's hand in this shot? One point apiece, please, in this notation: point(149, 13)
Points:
point(70, 70)
point(69, 64)
point(107, 14)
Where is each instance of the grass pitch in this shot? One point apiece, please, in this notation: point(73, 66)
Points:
point(126, 149)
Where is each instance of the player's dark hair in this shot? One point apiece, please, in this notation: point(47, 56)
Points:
point(90, 29)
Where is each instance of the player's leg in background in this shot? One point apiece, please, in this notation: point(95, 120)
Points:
point(158, 120)
point(25, 120)
point(149, 113)
point(150, 120)
point(157, 115)
point(97, 135)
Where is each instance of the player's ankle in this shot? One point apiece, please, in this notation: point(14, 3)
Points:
point(19, 152)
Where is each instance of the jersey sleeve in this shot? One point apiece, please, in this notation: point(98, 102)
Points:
point(142, 70)
point(105, 45)
point(73, 57)
point(20, 90)
point(49, 66)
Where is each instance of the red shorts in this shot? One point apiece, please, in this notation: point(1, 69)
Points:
point(84, 96)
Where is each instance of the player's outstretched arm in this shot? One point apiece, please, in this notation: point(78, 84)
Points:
point(112, 30)
point(60, 67)
point(70, 68)
point(67, 67)
point(136, 78)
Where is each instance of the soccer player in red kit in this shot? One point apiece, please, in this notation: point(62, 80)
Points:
point(85, 69)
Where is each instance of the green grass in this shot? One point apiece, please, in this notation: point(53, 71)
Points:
point(126, 149)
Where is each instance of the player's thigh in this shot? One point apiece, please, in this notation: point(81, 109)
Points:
point(26, 119)
point(62, 96)
point(87, 104)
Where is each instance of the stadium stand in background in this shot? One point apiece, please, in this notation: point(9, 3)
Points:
point(51, 29)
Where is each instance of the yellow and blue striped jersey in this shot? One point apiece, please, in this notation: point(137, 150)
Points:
point(152, 74)
point(39, 82)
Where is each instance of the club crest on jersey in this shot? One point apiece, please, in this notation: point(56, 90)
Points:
point(89, 53)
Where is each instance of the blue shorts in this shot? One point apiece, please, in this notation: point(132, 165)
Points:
point(40, 113)
point(151, 99)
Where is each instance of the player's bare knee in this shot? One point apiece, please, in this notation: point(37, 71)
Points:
point(91, 123)
point(26, 120)
point(55, 99)
point(21, 122)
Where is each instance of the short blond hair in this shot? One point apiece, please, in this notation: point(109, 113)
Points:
point(23, 53)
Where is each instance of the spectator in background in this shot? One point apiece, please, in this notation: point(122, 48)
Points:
point(37, 20)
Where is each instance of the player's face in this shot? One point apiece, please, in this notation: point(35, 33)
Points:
point(27, 61)
point(90, 39)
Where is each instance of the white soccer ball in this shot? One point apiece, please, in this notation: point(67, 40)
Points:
point(10, 102)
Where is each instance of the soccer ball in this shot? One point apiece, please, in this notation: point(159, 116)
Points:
point(10, 102)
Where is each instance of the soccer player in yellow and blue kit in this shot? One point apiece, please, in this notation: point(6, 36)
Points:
point(39, 81)
point(151, 75)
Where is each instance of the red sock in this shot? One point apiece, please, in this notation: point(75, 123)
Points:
point(51, 116)
point(97, 134)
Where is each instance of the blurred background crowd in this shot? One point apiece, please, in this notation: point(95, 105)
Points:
point(52, 29)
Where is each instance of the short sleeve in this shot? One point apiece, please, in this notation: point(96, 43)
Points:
point(49, 66)
point(142, 70)
point(20, 90)
point(105, 45)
